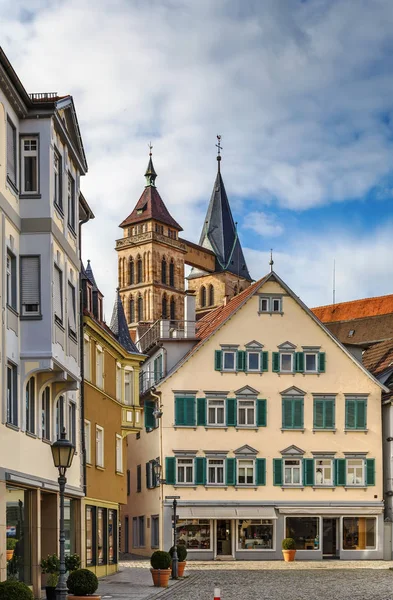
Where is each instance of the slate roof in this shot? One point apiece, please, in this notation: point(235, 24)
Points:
point(219, 233)
point(88, 271)
point(119, 326)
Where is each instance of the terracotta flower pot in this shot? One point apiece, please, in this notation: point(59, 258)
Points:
point(289, 555)
point(161, 577)
point(10, 554)
point(180, 568)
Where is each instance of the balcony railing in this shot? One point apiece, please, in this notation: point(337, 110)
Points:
point(147, 379)
point(165, 329)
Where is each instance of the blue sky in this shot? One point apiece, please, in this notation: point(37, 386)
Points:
point(302, 93)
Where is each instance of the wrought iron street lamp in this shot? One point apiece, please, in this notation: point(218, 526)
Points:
point(63, 452)
point(175, 561)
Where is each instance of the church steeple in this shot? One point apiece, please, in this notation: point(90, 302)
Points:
point(150, 174)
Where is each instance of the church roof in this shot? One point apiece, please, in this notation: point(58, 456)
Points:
point(88, 271)
point(119, 326)
point(220, 235)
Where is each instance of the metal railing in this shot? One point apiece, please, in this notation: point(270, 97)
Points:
point(44, 96)
point(165, 329)
point(148, 379)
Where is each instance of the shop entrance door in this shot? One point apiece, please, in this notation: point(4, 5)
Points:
point(224, 537)
point(329, 539)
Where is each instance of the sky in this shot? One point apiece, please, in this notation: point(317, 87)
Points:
point(300, 90)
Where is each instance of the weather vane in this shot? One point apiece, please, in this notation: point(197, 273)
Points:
point(150, 148)
point(219, 144)
point(271, 262)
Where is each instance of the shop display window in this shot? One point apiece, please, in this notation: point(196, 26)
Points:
point(255, 534)
point(359, 533)
point(194, 534)
point(112, 556)
point(69, 526)
point(305, 532)
point(101, 536)
point(90, 534)
point(18, 532)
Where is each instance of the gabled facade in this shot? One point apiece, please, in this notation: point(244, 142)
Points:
point(41, 210)
point(267, 428)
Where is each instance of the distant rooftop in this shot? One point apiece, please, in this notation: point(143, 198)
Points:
point(355, 309)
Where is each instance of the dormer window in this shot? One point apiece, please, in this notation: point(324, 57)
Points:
point(270, 304)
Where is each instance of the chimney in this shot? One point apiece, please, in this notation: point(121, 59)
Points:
point(189, 314)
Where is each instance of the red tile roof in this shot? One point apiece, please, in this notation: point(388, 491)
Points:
point(151, 206)
point(355, 309)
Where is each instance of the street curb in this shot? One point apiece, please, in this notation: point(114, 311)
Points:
point(165, 592)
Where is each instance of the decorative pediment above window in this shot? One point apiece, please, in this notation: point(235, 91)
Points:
point(287, 346)
point(247, 391)
point(246, 450)
point(253, 344)
point(292, 451)
point(293, 391)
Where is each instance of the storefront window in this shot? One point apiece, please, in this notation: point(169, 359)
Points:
point(112, 521)
point(101, 537)
point(194, 534)
point(18, 533)
point(305, 532)
point(255, 534)
point(69, 525)
point(90, 534)
point(359, 533)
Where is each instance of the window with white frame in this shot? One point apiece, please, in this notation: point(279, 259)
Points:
point(245, 472)
point(215, 471)
point(11, 279)
point(119, 454)
point(88, 441)
point(286, 362)
point(99, 446)
point(253, 361)
point(118, 382)
point(185, 470)
point(11, 152)
point(355, 471)
point(276, 304)
point(30, 405)
point(30, 288)
point(215, 412)
point(57, 183)
point(71, 310)
point(292, 471)
point(99, 367)
point(264, 305)
point(60, 416)
point(12, 394)
point(29, 165)
point(71, 202)
point(246, 412)
point(270, 304)
point(229, 360)
point(128, 387)
point(324, 471)
point(310, 362)
point(72, 422)
point(45, 413)
point(86, 358)
point(58, 294)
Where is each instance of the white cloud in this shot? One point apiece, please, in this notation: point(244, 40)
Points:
point(263, 224)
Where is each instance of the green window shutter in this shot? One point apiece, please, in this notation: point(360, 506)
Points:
point(218, 360)
point(264, 361)
point(330, 420)
point(201, 411)
point(298, 413)
point(190, 412)
point(241, 360)
point(340, 471)
point(200, 470)
point(261, 413)
point(231, 412)
point(170, 470)
point(350, 419)
point(260, 471)
point(180, 418)
point(276, 362)
point(318, 414)
point(370, 471)
point(299, 362)
point(308, 471)
point(361, 414)
point(321, 362)
point(230, 471)
point(148, 413)
point(148, 486)
point(277, 471)
point(286, 413)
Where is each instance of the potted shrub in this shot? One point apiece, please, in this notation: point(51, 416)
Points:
point(181, 555)
point(82, 583)
point(51, 566)
point(289, 549)
point(15, 590)
point(11, 543)
point(161, 568)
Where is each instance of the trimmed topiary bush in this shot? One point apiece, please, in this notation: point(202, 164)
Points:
point(82, 582)
point(288, 544)
point(160, 560)
point(181, 552)
point(15, 590)
point(72, 562)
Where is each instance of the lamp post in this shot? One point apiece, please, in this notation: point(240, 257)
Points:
point(159, 481)
point(63, 452)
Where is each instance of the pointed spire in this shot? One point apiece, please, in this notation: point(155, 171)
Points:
point(150, 174)
point(119, 326)
point(90, 275)
point(271, 261)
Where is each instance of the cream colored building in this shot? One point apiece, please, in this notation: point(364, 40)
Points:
point(266, 427)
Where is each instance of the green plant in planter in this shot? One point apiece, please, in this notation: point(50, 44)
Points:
point(82, 582)
point(288, 544)
point(160, 560)
point(15, 590)
point(181, 552)
point(11, 543)
point(72, 562)
point(51, 566)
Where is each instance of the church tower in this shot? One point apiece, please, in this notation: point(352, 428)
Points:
point(151, 261)
point(219, 234)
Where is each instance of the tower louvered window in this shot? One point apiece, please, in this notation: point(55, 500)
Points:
point(132, 273)
point(139, 269)
point(163, 271)
point(140, 308)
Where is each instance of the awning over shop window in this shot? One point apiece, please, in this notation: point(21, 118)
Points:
point(226, 512)
point(330, 510)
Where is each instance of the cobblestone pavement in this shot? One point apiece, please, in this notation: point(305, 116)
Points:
point(271, 565)
point(130, 584)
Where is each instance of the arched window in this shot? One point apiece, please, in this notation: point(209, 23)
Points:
point(203, 296)
point(140, 308)
point(211, 295)
point(60, 421)
point(172, 274)
point(163, 270)
point(173, 310)
point(132, 310)
point(132, 272)
point(139, 270)
point(45, 414)
point(30, 405)
point(164, 307)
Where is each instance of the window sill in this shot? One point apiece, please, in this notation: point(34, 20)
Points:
point(31, 435)
point(12, 426)
point(248, 427)
point(194, 427)
point(88, 464)
point(100, 468)
point(13, 310)
point(185, 485)
point(72, 336)
point(292, 429)
point(59, 323)
point(324, 487)
point(46, 441)
point(356, 487)
point(71, 230)
point(292, 487)
point(12, 186)
point(30, 196)
point(217, 485)
point(31, 318)
point(59, 210)
point(223, 427)
point(331, 429)
point(240, 486)
point(121, 473)
point(355, 430)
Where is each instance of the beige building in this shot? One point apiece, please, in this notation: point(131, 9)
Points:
point(266, 427)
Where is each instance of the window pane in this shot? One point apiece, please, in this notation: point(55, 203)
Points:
point(286, 362)
point(18, 505)
point(253, 361)
point(311, 362)
point(255, 534)
point(194, 534)
point(305, 532)
point(101, 535)
point(359, 533)
point(229, 360)
point(30, 166)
